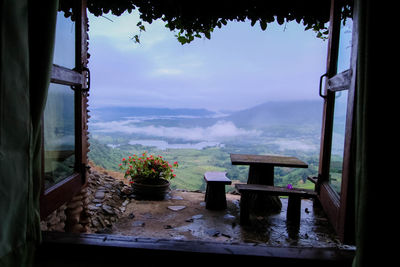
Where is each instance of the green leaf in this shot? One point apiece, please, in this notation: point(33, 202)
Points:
point(182, 39)
point(263, 24)
point(280, 20)
point(136, 39)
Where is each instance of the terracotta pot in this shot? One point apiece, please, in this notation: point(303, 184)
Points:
point(152, 189)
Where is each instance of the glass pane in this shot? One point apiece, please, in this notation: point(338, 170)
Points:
point(59, 134)
point(345, 39)
point(338, 136)
point(64, 49)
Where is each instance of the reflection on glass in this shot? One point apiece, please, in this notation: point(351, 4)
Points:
point(345, 41)
point(59, 134)
point(338, 136)
point(64, 49)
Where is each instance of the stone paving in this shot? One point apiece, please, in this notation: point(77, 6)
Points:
point(183, 216)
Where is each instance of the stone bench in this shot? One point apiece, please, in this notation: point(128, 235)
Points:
point(294, 202)
point(215, 197)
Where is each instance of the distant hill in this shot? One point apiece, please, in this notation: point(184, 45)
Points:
point(117, 113)
point(280, 113)
point(283, 113)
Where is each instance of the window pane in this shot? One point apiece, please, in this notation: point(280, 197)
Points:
point(64, 49)
point(59, 134)
point(345, 39)
point(338, 136)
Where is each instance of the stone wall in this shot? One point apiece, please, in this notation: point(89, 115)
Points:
point(94, 209)
point(70, 217)
point(76, 212)
point(55, 221)
point(107, 199)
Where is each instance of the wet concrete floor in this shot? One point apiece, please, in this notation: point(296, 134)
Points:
point(183, 216)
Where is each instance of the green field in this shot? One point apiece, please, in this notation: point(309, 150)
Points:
point(193, 163)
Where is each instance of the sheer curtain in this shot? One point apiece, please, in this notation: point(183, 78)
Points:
point(26, 47)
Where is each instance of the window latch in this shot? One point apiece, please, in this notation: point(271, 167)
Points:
point(320, 85)
point(88, 79)
point(73, 87)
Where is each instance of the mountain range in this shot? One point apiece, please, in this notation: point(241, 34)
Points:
point(301, 112)
point(117, 113)
point(280, 113)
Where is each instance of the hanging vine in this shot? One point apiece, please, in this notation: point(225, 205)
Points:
point(198, 19)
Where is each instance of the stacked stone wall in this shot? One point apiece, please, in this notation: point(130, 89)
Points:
point(94, 209)
point(70, 217)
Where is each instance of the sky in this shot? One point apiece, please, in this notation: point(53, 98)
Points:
point(240, 67)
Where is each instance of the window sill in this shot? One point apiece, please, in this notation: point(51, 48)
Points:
point(57, 248)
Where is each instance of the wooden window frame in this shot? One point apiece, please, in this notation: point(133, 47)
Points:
point(339, 209)
point(84, 247)
point(60, 193)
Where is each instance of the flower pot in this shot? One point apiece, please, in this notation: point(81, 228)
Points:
point(151, 189)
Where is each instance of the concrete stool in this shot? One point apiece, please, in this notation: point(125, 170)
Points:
point(215, 197)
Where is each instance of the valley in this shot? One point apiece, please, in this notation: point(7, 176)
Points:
point(201, 140)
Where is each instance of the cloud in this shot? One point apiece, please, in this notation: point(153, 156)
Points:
point(220, 131)
point(302, 145)
point(240, 67)
point(168, 71)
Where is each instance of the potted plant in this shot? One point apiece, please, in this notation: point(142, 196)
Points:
point(148, 175)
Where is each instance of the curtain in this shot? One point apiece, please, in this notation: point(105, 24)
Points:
point(376, 173)
point(26, 47)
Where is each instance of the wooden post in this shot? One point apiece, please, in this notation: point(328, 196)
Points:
point(244, 208)
point(215, 196)
point(263, 174)
point(293, 210)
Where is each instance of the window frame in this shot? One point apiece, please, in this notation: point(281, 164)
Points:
point(78, 78)
point(54, 244)
point(339, 209)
